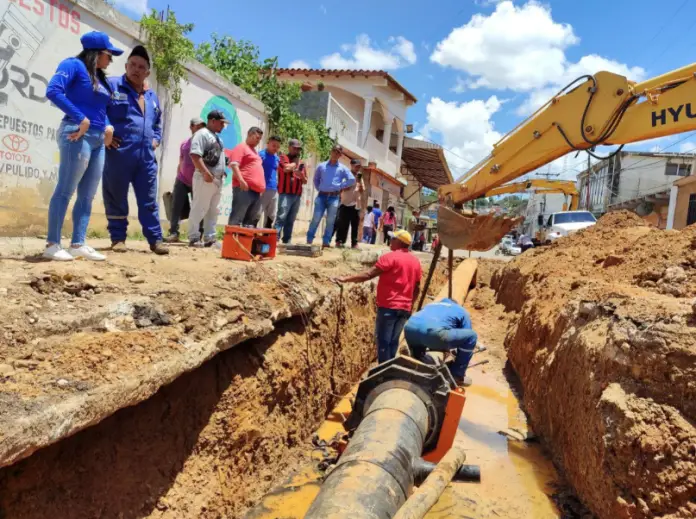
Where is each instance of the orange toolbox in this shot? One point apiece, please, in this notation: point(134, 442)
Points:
point(249, 244)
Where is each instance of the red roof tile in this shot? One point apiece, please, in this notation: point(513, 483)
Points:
point(344, 72)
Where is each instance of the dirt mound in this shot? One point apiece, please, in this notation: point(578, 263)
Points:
point(212, 442)
point(620, 220)
point(605, 346)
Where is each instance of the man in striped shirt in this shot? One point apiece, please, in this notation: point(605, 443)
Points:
point(292, 175)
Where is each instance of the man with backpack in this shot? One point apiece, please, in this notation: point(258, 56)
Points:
point(208, 158)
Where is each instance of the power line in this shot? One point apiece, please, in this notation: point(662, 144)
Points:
point(446, 149)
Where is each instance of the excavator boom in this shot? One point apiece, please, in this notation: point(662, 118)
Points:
point(543, 187)
point(604, 109)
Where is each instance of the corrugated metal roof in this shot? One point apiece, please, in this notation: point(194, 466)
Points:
point(345, 72)
point(426, 161)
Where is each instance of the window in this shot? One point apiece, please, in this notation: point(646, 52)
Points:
point(678, 170)
point(574, 217)
point(691, 215)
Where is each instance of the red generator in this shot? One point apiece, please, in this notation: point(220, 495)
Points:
point(244, 244)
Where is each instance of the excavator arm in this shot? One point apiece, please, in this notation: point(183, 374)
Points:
point(542, 187)
point(604, 109)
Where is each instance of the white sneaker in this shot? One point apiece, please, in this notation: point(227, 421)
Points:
point(57, 253)
point(87, 252)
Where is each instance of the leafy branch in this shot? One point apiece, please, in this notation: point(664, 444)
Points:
point(169, 49)
point(240, 63)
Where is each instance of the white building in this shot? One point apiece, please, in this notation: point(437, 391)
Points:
point(365, 109)
point(639, 181)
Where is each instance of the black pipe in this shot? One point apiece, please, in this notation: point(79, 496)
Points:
point(374, 476)
point(422, 469)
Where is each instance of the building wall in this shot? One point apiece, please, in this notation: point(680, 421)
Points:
point(313, 105)
point(353, 104)
point(37, 35)
point(682, 207)
point(643, 175)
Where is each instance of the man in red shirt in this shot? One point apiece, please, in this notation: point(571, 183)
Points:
point(248, 181)
point(400, 275)
point(292, 175)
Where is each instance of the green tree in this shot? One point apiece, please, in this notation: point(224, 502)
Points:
point(240, 63)
point(169, 49)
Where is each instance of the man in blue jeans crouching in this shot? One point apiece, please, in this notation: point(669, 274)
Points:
point(443, 326)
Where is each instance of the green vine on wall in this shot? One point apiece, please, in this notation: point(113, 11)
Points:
point(169, 49)
point(240, 63)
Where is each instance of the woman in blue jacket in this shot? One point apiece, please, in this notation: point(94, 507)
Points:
point(80, 89)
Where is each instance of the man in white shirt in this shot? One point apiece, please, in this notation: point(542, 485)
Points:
point(368, 225)
point(349, 210)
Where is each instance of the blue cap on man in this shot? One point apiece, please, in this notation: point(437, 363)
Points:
point(96, 40)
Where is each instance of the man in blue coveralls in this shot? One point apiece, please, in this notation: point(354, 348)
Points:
point(136, 117)
point(442, 326)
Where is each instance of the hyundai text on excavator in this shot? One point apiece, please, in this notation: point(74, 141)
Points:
point(604, 109)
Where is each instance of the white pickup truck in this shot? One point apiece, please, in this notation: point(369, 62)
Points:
point(562, 224)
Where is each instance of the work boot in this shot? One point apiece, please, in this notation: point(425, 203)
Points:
point(159, 248)
point(463, 381)
point(326, 246)
point(119, 246)
point(196, 244)
point(172, 238)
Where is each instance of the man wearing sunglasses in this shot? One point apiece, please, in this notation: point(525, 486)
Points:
point(136, 117)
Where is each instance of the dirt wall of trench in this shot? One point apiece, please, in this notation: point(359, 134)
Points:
point(604, 342)
point(212, 442)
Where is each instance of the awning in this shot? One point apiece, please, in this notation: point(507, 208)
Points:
point(426, 162)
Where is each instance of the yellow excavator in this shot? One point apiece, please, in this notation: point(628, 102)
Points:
point(542, 187)
point(603, 109)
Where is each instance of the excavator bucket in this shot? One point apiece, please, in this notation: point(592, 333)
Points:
point(471, 231)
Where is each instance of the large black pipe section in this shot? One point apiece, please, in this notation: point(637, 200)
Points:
point(422, 469)
point(374, 476)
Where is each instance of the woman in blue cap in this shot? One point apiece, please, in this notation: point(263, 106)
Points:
point(80, 89)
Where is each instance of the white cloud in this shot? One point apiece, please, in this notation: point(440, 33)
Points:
point(461, 86)
point(404, 48)
point(687, 147)
point(322, 8)
point(134, 6)
point(362, 55)
point(298, 63)
point(514, 47)
point(590, 64)
point(466, 129)
point(519, 48)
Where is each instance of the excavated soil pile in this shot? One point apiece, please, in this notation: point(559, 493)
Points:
point(604, 342)
point(209, 444)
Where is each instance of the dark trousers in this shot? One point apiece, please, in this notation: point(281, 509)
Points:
point(527, 246)
point(348, 216)
point(246, 207)
point(387, 228)
point(180, 205)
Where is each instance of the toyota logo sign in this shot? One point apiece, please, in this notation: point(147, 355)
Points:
point(16, 143)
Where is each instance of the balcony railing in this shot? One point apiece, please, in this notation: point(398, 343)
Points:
point(341, 123)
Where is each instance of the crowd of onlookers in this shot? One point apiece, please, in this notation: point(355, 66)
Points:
point(111, 130)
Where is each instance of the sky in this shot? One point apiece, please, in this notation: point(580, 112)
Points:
point(477, 67)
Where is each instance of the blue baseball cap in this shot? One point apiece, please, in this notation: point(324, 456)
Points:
point(96, 40)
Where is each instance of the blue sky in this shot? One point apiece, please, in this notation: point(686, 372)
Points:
point(476, 66)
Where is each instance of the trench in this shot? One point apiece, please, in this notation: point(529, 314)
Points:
point(212, 442)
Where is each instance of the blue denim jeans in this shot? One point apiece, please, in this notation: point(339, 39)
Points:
point(367, 234)
point(81, 167)
point(288, 206)
point(323, 204)
point(387, 331)
point(420, 340)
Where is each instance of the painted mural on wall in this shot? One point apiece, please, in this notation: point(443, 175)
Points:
point(35, 35)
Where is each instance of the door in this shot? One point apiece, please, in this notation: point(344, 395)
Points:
point(691, 215)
